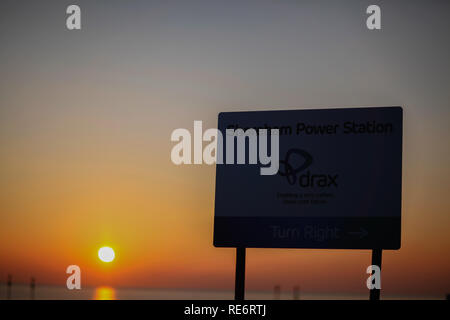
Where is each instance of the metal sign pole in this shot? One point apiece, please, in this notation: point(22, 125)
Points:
point(239, 286)
point(376, 260)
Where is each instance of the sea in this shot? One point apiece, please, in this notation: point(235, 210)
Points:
point(48, 292)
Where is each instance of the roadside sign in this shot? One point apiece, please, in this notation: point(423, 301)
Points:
point(339, 182)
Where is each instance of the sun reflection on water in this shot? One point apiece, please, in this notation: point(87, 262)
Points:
point(105, 293)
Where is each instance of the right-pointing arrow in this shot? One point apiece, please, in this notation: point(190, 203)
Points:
point(361, 233)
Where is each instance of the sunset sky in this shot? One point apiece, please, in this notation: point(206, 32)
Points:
point(86, 118)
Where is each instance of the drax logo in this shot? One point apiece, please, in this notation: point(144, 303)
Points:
point(307, 179)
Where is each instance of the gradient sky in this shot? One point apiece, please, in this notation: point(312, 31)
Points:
point(86, 118)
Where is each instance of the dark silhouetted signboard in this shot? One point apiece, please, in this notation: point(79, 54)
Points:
point(339, 182)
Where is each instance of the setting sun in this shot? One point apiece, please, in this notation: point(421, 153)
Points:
point(106, 254)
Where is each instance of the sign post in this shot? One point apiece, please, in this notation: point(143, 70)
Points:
point(239, 286)
point(376, 260)
point(338, 183)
